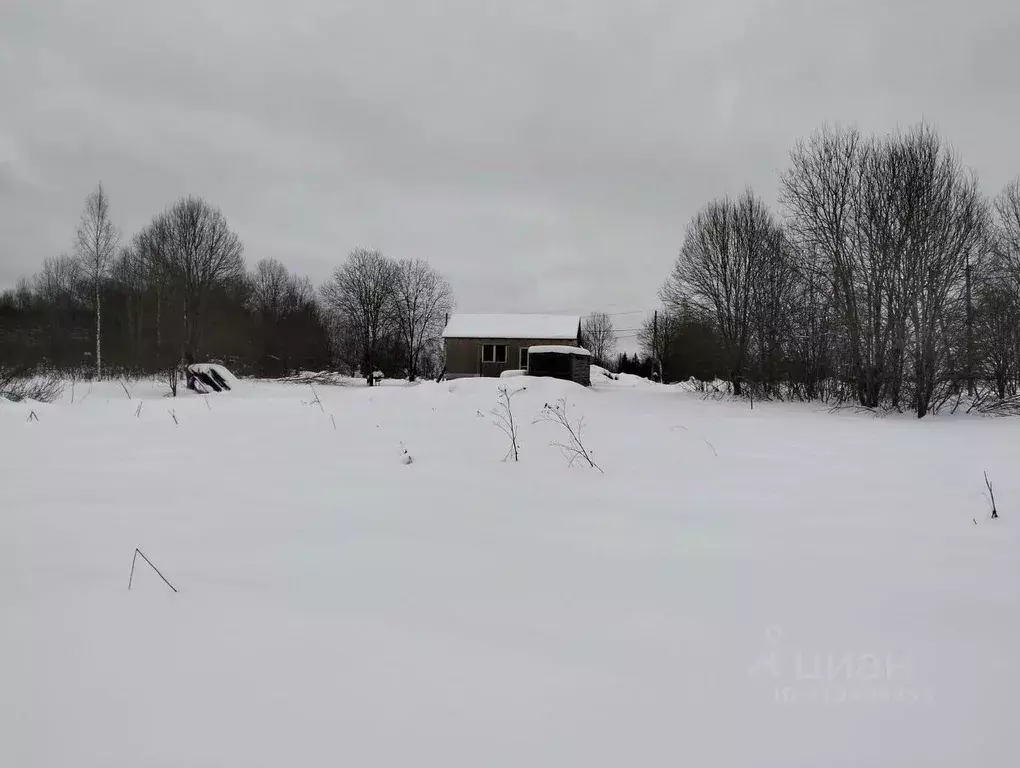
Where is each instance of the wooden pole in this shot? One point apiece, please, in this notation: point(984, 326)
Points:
point(657, 366)
point(970, 333)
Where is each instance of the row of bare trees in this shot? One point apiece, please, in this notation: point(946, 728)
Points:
point(377, 304)
point(179, 291)
point(891, 281)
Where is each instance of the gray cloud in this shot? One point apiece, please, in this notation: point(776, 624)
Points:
point(545, 156)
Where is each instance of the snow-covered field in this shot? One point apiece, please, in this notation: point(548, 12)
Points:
point(776, 587)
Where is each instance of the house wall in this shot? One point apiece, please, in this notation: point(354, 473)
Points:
point(582, 370)
point(464, 356)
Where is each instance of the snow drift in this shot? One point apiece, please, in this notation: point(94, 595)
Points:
point(777, 587)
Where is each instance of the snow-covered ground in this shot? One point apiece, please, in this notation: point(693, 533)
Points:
point(776, 587)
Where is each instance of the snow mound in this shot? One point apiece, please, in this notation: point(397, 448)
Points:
point(513, 373)
point(558, 349)
point(598, 372)
point(219, 370)
point(501, 326)
point(544, 388)
point(633, 381)
point(600, 377)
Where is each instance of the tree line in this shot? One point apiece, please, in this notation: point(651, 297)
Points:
point(179, 291)
point(888, 281)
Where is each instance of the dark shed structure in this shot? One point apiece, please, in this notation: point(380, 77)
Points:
point(561, 362)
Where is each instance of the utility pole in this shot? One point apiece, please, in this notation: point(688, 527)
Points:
point(656, 365)
point(970, 333)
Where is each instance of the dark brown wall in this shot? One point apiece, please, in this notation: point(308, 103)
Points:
point(575, 368)
point(464, 356)
point(582, 370)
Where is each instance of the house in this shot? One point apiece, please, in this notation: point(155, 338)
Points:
point(487, 345)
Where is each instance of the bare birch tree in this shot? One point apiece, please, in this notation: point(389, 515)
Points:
point(96, 245)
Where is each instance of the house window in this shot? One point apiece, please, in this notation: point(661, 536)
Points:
point(493, 353)
point(524, 359)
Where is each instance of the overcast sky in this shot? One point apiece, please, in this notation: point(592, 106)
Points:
point(544, 155)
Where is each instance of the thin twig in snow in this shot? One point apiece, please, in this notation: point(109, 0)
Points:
point(132, 576)
point(574, 449)
point(316, 401)
point(681, 426)
point(991, 497)
point(505, 420)
point(126, 392)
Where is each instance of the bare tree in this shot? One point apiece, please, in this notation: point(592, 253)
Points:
point(274, 292)
point(148, 247)
point(599, 337)
point(285, 316)
point(270, 290)
point(657, 334)
point(946, 221)
point(422, 299)
point(892, 225)
point(195, 250)
point(997, 315)
point(24, 296)
point(772, 298)
point(361, 293)
point(346, 348)
point(173, 289)
point(131, 278)
point(1007, 208)
point(59, 280)
point(727, 249)
point(682, 343)
point(1004, 266)
point(998, 332)
point(96, 245)
point(809, 344)
point(821, 190)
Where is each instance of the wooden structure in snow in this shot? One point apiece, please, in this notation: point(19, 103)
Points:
point(561, 362)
